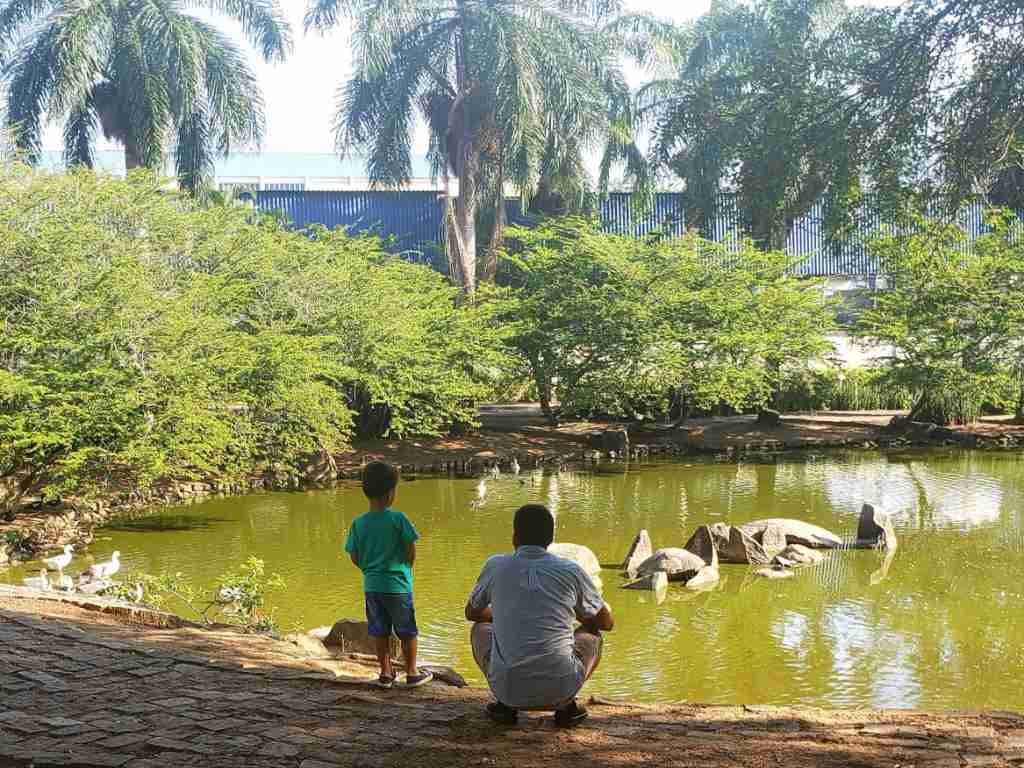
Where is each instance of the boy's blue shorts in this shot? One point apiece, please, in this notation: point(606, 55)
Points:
point(386, 611)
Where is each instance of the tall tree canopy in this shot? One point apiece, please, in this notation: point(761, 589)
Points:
point(512, 92)
point(145, 72)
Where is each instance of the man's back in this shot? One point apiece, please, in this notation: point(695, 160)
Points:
point(535, 598)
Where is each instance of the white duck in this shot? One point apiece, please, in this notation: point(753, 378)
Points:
point(495, 471)
point(481, 494)
point(59, 562)
point(515, 466)
point(40, 582)
point(107, 569)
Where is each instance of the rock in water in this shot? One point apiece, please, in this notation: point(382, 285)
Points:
point(774, 573)
point(702, 544)
point(677, 564)
point(769, 418)
point(795, 531)
point(348, 636)
point(773, 540)
point(796, 555)
point(655, 582)
point(580, 555)
point(705, 577)
point(875, 529)
point(640, 550)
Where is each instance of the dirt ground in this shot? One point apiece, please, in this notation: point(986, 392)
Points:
point(81, 689)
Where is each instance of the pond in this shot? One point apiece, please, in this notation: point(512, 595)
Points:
point(940, 626)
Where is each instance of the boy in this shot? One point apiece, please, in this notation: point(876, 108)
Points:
point(382, 544)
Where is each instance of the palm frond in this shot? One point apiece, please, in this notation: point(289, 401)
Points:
point(80, 134)
point(263, 23)
point(194, 161)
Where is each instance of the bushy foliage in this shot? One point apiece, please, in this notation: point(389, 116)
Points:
point(836, 389)
point(239, 598)
point(953, 316)
point(145, 337)
point(620, 326)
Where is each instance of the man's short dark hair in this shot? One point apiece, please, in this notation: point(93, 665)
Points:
point(379, 479)
point(534, 526)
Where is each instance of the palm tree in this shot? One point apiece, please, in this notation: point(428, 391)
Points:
point(144, 72)
point(511, 90)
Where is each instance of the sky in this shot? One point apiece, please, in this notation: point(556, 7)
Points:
point(300, 94)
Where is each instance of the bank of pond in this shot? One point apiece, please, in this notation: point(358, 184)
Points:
point(775, 591)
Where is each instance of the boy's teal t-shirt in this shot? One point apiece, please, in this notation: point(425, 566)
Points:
point(380, 541)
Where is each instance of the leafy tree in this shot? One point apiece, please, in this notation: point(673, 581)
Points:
point(946, 77)
point(145, 338)
point(618, 326)
point(146, 74)
point(512, 92)
point(953, 316)
point(735, 116)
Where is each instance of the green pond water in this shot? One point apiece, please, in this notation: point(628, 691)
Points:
point(940, 626)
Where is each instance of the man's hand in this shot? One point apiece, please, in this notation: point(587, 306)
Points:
point(354, 558)
point(479, 615)
point(602, 622)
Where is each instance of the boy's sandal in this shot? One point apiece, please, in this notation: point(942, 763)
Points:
point(415, 681)
point(570, 716)
point(385, 682)
point(502, 714)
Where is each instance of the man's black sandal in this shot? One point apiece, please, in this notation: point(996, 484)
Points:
point(570, 716)
point(502, 714)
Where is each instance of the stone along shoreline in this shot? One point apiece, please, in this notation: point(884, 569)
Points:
point(83, 688)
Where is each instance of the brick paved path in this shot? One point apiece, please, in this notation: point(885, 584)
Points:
point(79, 690)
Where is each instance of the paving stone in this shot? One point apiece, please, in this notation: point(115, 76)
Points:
point(881, 730)
point(47, 680)
point(122, 725)
point(136, 708)
point(177, 745)
point(125, 740)
point(978, 761)
point(279, 749)
point(174, 703)
point(221, 724)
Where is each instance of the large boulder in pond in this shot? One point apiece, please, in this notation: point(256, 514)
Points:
point(795, 531)
point(702, 544)
point(349, 636)
point(736, 546)
point(677, 564)
point(875, 529)
point(639, 550)
point(580, 555)
point(797, 556)
point(655, 582)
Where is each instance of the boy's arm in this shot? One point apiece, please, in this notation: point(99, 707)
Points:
point(410, 553)
point(354, 558)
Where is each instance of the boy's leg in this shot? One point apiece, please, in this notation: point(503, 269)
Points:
point(409, 654)
point(378, 624)
point(383, 645)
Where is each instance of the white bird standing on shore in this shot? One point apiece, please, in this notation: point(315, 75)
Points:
point(107, 569)
point(495, 471)
point(481, 494)
point(515, 466)
point(40, 582)
point(59, 562)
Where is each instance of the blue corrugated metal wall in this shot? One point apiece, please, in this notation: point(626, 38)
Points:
point(410, 222)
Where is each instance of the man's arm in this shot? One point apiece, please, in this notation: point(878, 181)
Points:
point(603, 621)
point(354, 558)
point(483, 615)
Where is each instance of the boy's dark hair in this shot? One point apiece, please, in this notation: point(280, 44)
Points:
point(534, 525)
point(379, 479)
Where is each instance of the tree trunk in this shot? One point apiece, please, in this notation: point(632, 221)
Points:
point(132, 155)
point(462, 225)
point(490, 270)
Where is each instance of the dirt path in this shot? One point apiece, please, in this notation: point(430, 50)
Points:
point(81, 689)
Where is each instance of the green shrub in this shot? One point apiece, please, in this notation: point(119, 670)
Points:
point(144, 336)
point(618, 326)
point(850, 389)
point(953, 315)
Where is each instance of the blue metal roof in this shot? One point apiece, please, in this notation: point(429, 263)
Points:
point(411, 223)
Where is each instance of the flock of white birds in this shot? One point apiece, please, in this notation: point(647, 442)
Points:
point(100, 572)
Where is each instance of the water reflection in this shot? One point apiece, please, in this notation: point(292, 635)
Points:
point(937, 625)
